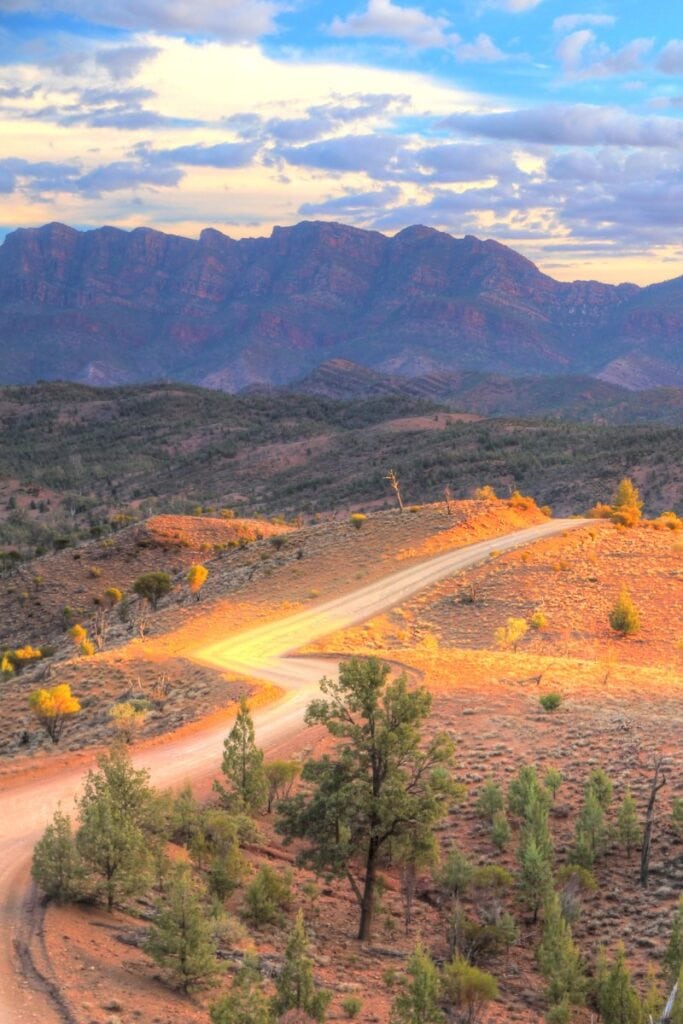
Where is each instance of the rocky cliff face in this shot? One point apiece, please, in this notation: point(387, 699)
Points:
point(110, 306)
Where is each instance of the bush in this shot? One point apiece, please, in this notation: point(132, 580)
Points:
point(357, 520)
point(152, 586)
point(624, 617)
point(467, 989)
point(550, 701)
point(539, 620)
point(351, 1006)
point(485, 493)
point(268, 896)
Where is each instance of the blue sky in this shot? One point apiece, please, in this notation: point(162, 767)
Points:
point(553, 126)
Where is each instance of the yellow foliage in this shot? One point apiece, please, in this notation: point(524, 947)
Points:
point(78, 634)
point(27, 653)
point(196, 577)
point(6, 666)
point(52, 707)
point(511, 633)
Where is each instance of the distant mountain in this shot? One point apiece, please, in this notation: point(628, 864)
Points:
point(110, 307)
point(488, 394)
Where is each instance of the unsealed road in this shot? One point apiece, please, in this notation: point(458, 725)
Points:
point(26, 807)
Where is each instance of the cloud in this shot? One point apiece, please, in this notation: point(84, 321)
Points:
point(670, 60)
point(570, 51)
point(125, 61)
point(515, 6)
point(409, 24)
point(580, 124)
point(43, 175)
point(233, 21)
point(482, 49)
point(353, 204)
point(222, 155)
point(570, 22)
point(458, 162)
point(602, 62)
point(373, 154)
point(122, 175)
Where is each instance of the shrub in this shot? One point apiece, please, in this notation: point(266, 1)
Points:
point(490, 800)
point(511, 634)
point(538, 620)
point(550, 701)
point(152, 586)
point(351, 1006)
point(600, 511)
point(468, 989)
point(56, 865)
point(624, 617)
point(357, 520)
point(500, 830)
point(485, 493)
point(197, 576)
point(268, 896)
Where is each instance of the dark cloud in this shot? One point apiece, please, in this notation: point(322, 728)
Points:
point(579, 125)
point(125, 61)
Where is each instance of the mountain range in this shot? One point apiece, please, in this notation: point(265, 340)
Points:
point(109, 306)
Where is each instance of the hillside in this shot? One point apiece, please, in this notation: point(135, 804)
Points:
point(486, 394)
point(109, 306)
point(72, 457)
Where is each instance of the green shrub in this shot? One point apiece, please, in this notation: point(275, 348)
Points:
point(351, 1006)
point(624, 617)
point(550, 701)
point(267, 897)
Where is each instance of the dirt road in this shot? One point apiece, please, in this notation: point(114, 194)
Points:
point(26, 807)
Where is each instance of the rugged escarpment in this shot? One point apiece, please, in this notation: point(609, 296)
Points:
point(110, 306)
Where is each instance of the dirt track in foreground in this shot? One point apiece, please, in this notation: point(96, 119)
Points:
point(26, 807)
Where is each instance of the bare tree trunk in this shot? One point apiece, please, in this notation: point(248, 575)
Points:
point(395, 486)
point(448, 498)
point(666, 1012)
point(657, 784)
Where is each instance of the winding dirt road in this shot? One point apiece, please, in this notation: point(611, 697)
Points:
point(26, 807)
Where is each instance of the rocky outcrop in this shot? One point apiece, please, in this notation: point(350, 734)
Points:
point(112, 306)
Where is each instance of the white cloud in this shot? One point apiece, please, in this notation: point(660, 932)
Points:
point(409, 24)
point(670, 60)
point(570, 51)
point(518, 6)
point(582, 57)
point(570, 22)
point(482, 49)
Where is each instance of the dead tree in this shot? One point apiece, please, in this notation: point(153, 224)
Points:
point(395, 486)
point(666, 1012)
point(658, 781)
point(448, 498)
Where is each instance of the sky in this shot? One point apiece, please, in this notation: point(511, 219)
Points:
point(553, 126)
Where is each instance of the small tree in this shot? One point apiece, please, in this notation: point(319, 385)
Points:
point(490, 800)
point(627, 507)
point(180, 939)
point(243, 765)
point(467, 990)
point(117, 824)
point(197, 576)
point(381, 781)
point(500, 830)
point(591, 831)
point(280, 777)
point(295, 986)
point(152, 586)
point(617, 999)
point(630, 832)
point(559, 958)
point(418, 1000)
point(673, 957)
point(53, 707)
point(535, 877)
point(552, 780)
point(246, 1002)
point(624, 617)
point(509, 636)
point(56, 866)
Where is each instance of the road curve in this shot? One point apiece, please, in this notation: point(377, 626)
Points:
point(25, 808)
